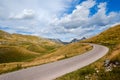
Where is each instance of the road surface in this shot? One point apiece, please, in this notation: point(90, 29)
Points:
point(53, 70)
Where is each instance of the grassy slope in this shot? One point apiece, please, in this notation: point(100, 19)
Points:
point(111, 39)
point(20, 51)
point(16, 47)
point(63, 52)
point(15, 54)
point(5, 35)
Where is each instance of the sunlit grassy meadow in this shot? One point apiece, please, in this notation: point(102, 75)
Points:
point(97, 70)
point(21, 51)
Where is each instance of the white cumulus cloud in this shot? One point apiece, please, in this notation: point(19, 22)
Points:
point(48, 18)
point(80, 23)
point(25, 14)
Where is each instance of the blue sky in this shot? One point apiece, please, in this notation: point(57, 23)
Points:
point(60, 19)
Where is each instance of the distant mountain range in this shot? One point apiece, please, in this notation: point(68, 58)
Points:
point(76, 40)
point(20, 51)
point(72, 41)
point(108, 67)
point(56, 40)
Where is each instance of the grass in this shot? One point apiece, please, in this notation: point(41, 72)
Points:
point(15, 54)
point(111, 39)
point(8, 67)
point(59, 54)
point(17, 49)
point(77, 75)
point(89, 73)
point(21, 51)
point(4, 35)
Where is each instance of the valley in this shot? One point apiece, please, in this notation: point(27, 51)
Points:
point(21, 51)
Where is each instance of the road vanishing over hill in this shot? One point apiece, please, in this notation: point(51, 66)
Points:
point(53, 70)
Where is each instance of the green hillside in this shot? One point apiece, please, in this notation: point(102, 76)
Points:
point(15, 54)
point(99, 70)
point(111, 39)
point(5, 35)
point(20, 51)
point(17, 47)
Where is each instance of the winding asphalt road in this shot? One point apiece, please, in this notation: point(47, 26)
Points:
point(53, 70)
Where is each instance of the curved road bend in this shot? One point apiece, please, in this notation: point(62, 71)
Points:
point(53, 70)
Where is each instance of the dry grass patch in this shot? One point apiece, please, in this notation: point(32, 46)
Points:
point(61, 53)
point(111, 39)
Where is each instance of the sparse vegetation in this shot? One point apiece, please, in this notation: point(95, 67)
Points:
point(97, 70)
point(111, 39)
point(15, 54)
point(21, 51)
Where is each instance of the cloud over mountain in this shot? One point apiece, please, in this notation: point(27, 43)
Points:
point(80, 22)
point(64, 19)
